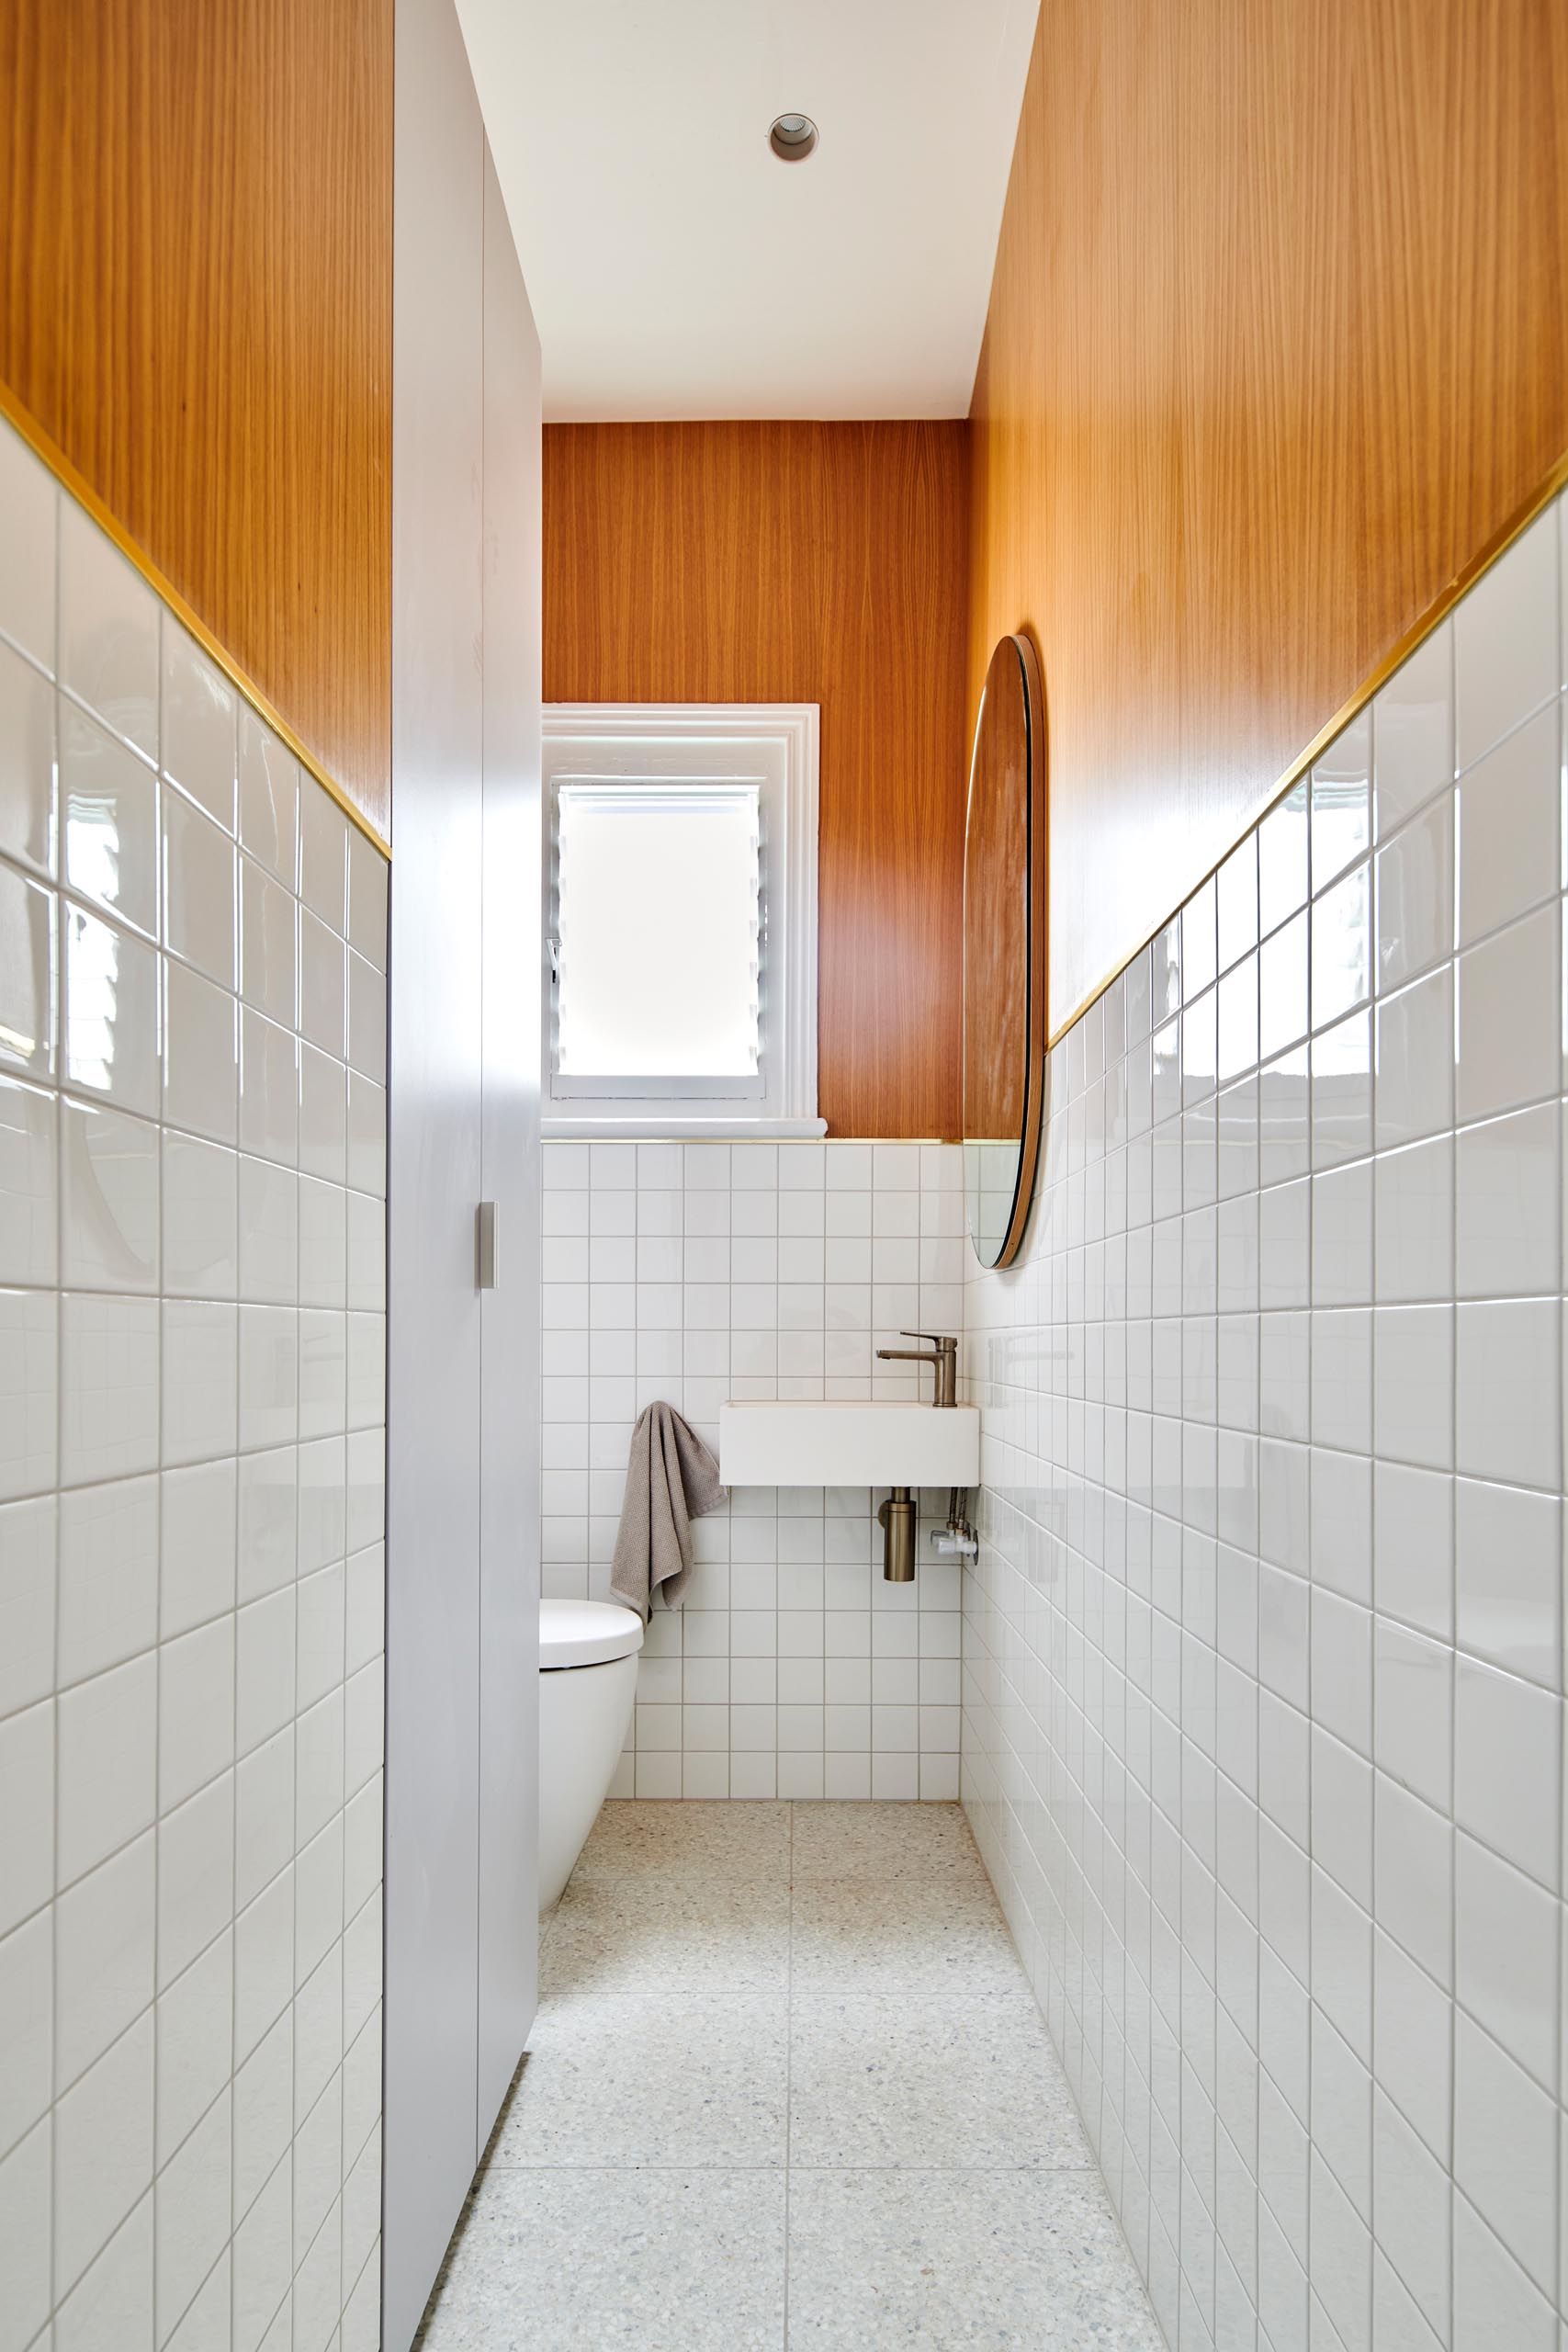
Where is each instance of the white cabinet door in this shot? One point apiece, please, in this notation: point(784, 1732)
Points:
point(509, 1409)
point(462, 1500)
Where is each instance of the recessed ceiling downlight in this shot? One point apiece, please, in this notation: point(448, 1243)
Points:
point(792, 136)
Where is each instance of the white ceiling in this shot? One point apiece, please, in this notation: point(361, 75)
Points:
point(678, 269)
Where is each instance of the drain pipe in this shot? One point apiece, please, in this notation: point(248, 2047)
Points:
point(898, 1519)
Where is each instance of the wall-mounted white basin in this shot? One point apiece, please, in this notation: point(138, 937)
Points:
point(848, 1444)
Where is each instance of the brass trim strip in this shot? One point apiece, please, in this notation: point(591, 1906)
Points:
point(1438, 610)
point(65, 473)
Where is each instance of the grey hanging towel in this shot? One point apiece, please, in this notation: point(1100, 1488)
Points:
point(672, 1478)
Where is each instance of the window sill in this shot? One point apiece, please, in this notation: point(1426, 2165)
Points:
point(555, 1127)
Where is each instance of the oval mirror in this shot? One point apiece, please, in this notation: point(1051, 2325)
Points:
point(1004, 953)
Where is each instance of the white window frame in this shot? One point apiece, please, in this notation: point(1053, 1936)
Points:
point(609, 741)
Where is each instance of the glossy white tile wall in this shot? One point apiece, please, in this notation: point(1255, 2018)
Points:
point(698, 1271)
point(191, 1346)
point(1264, 1653)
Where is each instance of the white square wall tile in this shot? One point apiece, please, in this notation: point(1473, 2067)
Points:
point(1506, 642)
point(269, 798)
point(200, 1218)
point(109, 1195)
point(28, 756)
point(323, 857)
point(195, 1876)
point(108, 1747)
point(27, 2004)
point(108, 809)
point(1414, 896)
point(267, 1528)
point(1504, 2149)
point(104, 1931)
point(1414, 1213)
point(200, 1368)
point(27, 1007)
point(1507, 1767)
point(269, 1233)
point(28, 1572)
point(1507, 1958)
point(323, 1115)
point(322, 985)
point(28, 1183)
point(269, 1376)
point(323, 1244)
point(1507, 1013)
point(268, 944)
point(1341, 802)
point(192, 2210)
point(1414, 1047)
point(28, 1392)
point(201, 712)
point(269, 1112)
point(1508, 1547)
point(1508, 1419)
point(111, 1013)
point(28, 1780)
point(107, 1575)
point(1413, 733)
point(103, 2152)
point(368, 1018)
point(197, 1545)
point(366, 1135)
point(196, 1710)
point(110, 629)
point(1282, 861)
point(367, 899)
point(28, 508)
point(1510, 1205)
point(109, 1387)
point(1508, 825)
point(200, 1054)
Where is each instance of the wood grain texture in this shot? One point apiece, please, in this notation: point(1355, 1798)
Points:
point(800, 562)
point(1276, 344)
point(196, 309)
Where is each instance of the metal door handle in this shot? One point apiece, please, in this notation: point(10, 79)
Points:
point(485, 1245)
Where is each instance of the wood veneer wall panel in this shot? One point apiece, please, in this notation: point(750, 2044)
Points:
point(196, 309)
point(1276, 344)
point(801, 563)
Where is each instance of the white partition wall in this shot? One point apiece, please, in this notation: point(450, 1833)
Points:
point(462, 1505)
point(192, 1344)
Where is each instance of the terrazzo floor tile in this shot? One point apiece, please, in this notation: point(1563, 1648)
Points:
point(667, 2078)
point(890, 1840)
point(618, 1936)
point(569, 2261)
point(897, 2082)
point(926, 1936)
point(1031, 2261)
point(737, 1999)
point(694, 1840)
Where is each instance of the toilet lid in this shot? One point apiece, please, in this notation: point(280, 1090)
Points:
point(586, 1632)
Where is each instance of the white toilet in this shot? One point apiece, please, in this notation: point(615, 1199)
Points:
point(587, 1682)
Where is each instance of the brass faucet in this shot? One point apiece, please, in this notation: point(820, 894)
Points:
point(943, 1355)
